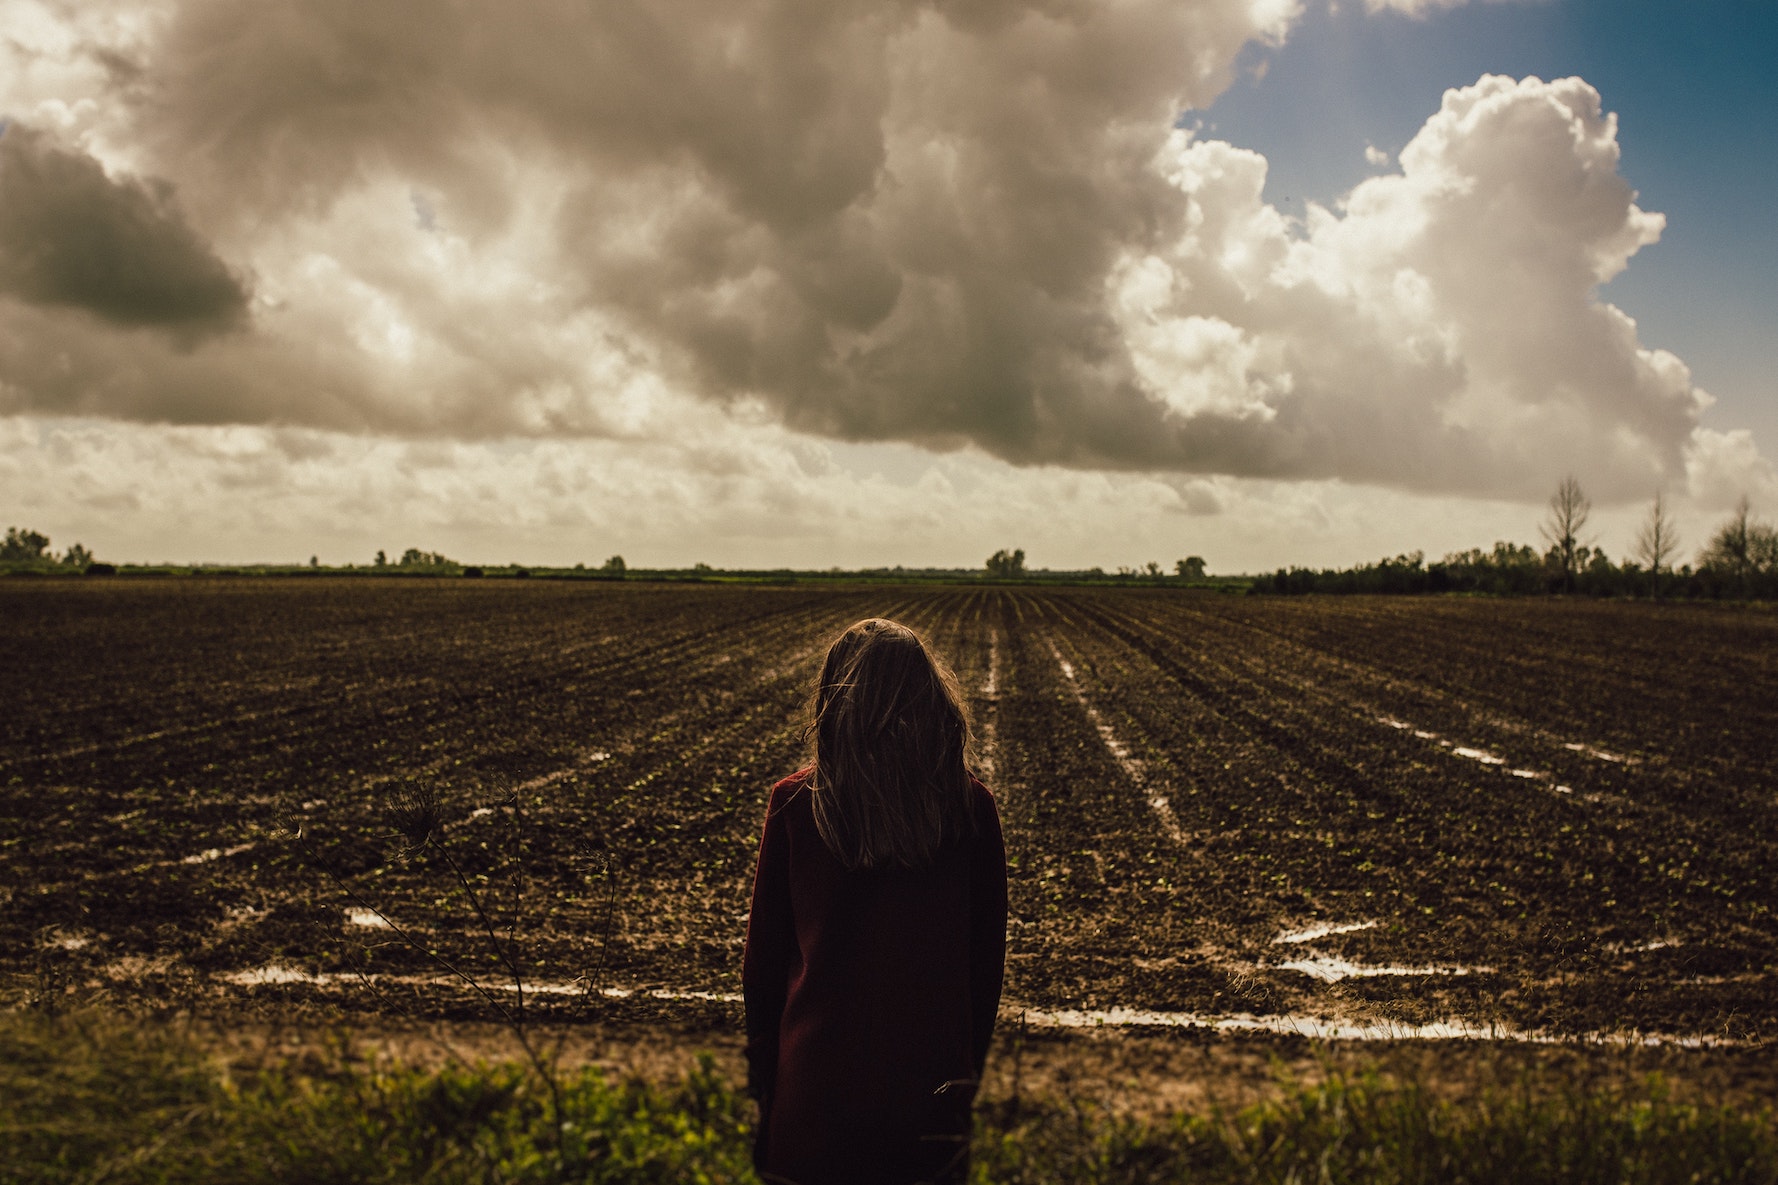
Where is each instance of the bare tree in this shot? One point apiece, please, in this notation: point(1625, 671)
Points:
point(1657, 543)
point(1731, 549)
point(1743, 549)
point(1569, 509)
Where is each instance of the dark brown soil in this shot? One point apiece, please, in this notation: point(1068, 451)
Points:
point(1571, 803)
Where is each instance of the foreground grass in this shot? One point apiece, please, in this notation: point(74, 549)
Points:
point(92, 1097)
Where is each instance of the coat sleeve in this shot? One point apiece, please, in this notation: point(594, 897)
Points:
point(987, 929)
point(771, 944)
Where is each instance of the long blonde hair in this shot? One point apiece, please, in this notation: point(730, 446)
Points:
point(891, 741)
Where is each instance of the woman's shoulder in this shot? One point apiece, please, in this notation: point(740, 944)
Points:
point(981, 799)
point(785, 790)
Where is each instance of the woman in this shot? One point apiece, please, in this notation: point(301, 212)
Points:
point(878, 932)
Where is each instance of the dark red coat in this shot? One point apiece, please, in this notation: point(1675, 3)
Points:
point(870, 1000)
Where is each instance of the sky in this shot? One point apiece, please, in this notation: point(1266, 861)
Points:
point(823, 283)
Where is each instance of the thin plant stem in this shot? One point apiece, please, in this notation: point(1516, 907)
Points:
point(358, 899)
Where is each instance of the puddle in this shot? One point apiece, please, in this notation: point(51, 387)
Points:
point(1321, 931)
point(1487, 758)
point(367, 917)
point(617, 993)
point(314, 803)
point(1330, 970)
point(1324, 1029)
point(1598, 754)
point(209, 854)
point(1619, 948)
point(1287, 1024)
point(274, 974)
point(1290, 1024)
point(481, 812)
point(1492, 759)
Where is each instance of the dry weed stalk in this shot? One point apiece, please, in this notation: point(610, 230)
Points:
point(418, 817)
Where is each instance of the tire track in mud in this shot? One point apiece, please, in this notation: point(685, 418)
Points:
point(1274, 667)
point(1094, 881)
point(1113, 918)
point(518, 668)
point(1510, 720)
point(1135, 769)
point(1578, 930)
point(1657, 823)
point(673, 751)
point(708, 639)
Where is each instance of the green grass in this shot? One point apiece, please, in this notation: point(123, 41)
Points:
point(93, 1097)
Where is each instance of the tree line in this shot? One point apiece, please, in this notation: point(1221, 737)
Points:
point(29, 548)
point(1739, 560)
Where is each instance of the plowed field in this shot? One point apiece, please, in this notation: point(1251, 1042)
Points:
point(1408, 816)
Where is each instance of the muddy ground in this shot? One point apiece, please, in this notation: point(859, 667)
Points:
point(1368, 817)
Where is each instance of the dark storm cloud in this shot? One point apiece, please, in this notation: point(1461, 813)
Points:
point(887, 220)
point(72, 236)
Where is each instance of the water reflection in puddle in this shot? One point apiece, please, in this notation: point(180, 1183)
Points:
point(1323, 1029)
point(1491, 759)
point(1321, 931)
point(1330, 970)
point(209, 854)
point(1287, 1024)
point(274, 974)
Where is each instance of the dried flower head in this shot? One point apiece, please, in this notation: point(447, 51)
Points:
point(416, 813)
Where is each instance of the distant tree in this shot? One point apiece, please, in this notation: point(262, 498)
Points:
point(1657, 543)
point(413, 557)
point(77, 557)
point(24, 547)
point(1152, 569)
point(382, 560)
point(1508, 568)
point(314, 561)
point(1567, 517)
point(1730, 550)
point(1191, 567)
point(1741, 549)
point(614, 567)
point(1006, 565)
point(701, 568)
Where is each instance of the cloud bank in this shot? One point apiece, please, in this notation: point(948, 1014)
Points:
point(949, 224)
point(72, 237)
